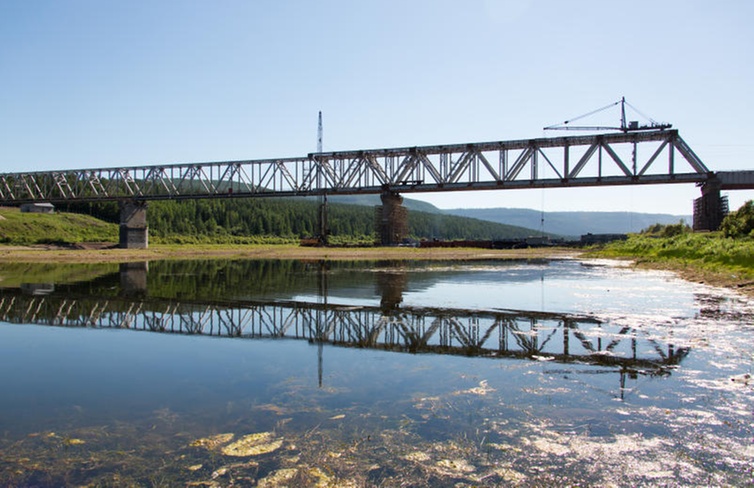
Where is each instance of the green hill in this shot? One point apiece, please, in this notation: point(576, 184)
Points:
point(60, 228)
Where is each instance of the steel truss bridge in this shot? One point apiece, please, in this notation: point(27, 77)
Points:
point(497, 334)
point(648, 157)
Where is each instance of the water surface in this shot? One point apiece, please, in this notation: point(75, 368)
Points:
point(423, 374)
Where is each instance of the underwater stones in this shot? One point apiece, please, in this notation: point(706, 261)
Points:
point(248, 445)
point(454, 467)
point(253, 445)
point(417, 456)
point(212, 441)
point(306, 476)
point(281, 477)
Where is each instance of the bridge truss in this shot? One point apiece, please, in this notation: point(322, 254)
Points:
point(651, 157)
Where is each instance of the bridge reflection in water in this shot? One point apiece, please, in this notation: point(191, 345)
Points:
point(562, 338)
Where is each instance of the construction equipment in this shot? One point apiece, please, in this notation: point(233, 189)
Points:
point(630, 126)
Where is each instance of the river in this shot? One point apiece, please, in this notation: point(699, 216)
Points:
point(291, 373)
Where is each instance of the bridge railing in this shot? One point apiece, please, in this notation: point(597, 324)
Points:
point(609, 159)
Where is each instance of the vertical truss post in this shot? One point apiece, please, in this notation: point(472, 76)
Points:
point(633, 159)
point(566, 162)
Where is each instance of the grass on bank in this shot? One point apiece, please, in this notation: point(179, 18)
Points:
point(60, 228)
point(706, 252)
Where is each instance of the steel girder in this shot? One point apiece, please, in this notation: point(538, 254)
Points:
point(595, 160)
point(562, 337)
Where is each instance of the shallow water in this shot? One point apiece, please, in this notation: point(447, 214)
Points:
point(421, 374)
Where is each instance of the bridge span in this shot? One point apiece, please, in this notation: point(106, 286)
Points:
point(634, 158)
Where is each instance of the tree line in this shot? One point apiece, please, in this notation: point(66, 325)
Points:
point(290, 218)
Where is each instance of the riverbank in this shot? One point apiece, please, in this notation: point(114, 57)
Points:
point(702, 258)
point(698, 270)
point(102, 254)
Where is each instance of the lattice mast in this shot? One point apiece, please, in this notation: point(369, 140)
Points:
point(322, 230)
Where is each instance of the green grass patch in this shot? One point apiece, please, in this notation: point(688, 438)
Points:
point(705, 251)
point(58, 228)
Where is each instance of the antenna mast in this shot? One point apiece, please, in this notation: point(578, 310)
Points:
point(319, 133)
point(322, 229)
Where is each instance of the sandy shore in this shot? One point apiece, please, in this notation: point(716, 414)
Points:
point(93, 254)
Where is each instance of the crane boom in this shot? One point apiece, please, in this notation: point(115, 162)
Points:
point(630, 126)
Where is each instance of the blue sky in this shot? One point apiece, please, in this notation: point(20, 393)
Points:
point(89, 83)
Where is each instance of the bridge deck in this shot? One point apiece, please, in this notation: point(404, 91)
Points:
point(736, 180)
point(652, 157)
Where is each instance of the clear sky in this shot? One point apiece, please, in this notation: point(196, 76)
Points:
point(87, 83)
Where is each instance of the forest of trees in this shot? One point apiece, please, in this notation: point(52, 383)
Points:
point(290, 218)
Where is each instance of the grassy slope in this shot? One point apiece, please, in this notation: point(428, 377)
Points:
point(60, 228)
point(701, 257)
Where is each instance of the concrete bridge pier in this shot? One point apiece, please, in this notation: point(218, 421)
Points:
point(711, 208)
point(134, 232)
point(391, 219)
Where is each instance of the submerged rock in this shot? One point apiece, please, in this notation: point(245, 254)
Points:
point(280, 477)
point(253, 445)
point(454, 467)
point(212, 441)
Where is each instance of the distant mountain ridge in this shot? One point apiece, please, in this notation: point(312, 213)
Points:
point(567, 224)
point(571, 224)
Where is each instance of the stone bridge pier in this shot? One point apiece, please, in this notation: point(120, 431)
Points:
point(134, 232)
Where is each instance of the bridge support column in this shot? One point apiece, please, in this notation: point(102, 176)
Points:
point(711, 208)
point(134, 233)
point(391, 219)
